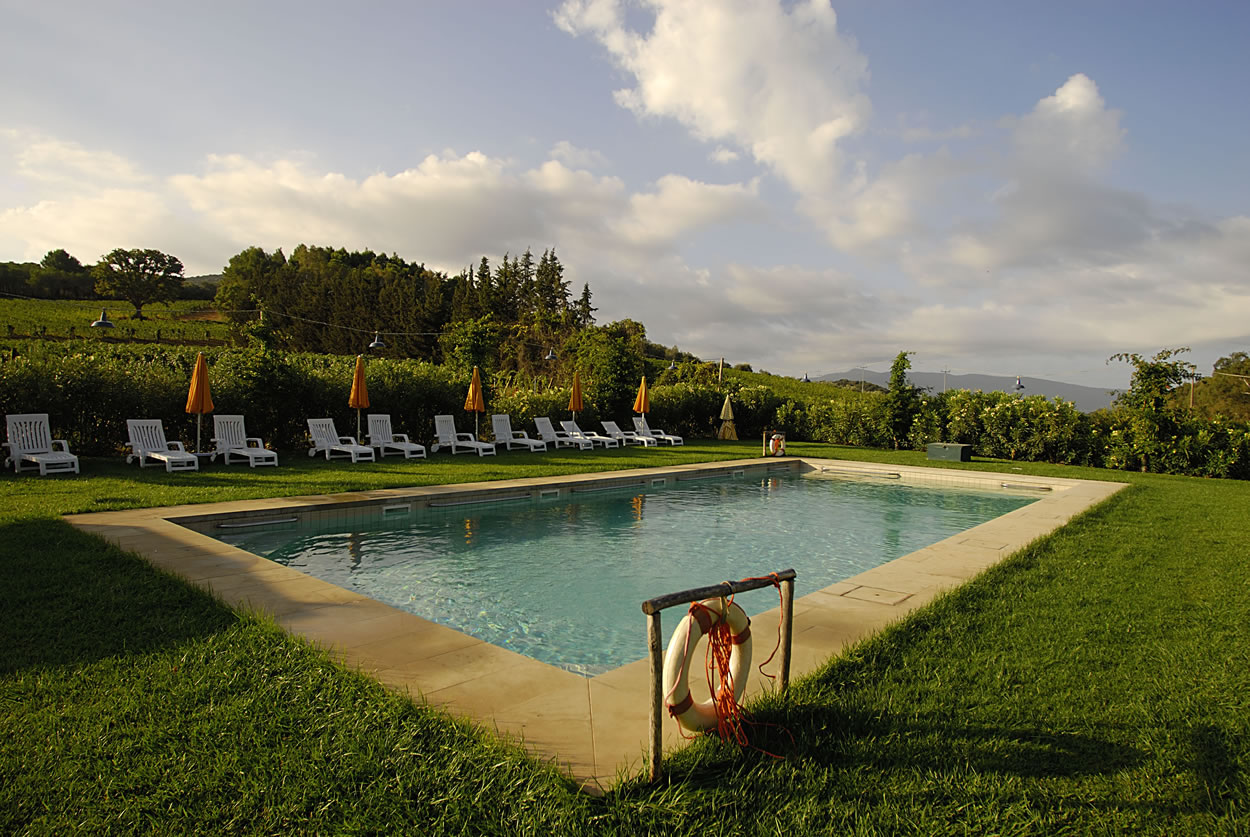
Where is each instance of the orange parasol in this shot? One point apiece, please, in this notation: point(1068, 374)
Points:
point(642, 404)
point(199, 399)
point(474, 402)
point(359, 398)
point(575, 399)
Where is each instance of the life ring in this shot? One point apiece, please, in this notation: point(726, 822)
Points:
point(777, 445)
point(703, 616)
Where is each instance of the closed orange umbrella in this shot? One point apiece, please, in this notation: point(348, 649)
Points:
point(575, 399)
point(359, 399)
point(474, 402)
point(642, 404)
point(199, 399)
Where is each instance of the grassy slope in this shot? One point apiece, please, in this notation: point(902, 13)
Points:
point(183, 317)
point(791, 388)
point(1096, 682)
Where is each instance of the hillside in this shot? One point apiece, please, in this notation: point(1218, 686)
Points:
point(1086, 399)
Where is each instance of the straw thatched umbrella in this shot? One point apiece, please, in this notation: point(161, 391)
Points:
point(473, 401)
point(727, 429)
point(199, 399)
point(359, 399)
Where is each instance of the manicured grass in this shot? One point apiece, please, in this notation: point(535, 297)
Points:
point(1097, 682)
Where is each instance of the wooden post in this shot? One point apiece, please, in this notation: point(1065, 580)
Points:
point(652, 608)
point(657, 693)
point(720, 372)
point(787, 625)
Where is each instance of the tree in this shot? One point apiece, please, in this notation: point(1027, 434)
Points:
point(139, 277)
point(583, 311)
point(611, 368)
point(62, 261)
point(1152, 418)
point(902, 401)
point(1226, 393)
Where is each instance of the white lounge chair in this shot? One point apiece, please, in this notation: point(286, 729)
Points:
point(641, 428)
point(501, 424)
point(326, 439)
point(147, 441)
point(31, 441)
point(445, 429)
point(558, 437)
point(571, 428)
point(385, 440)
point(627, 437)
point(230, 439)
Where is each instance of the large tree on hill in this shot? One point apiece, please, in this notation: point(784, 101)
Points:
point(139, 277)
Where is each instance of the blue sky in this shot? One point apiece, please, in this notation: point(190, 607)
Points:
point(1006, 188)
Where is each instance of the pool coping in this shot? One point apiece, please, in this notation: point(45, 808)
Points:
point(595, 729)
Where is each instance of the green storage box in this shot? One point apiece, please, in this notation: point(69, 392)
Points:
point(949, 452)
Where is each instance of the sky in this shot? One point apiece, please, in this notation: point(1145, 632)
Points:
point(1002, 188)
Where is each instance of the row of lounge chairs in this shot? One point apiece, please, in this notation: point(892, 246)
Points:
point(30, 441)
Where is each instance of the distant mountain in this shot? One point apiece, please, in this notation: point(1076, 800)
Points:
point(1086, 399)
point(204, 278)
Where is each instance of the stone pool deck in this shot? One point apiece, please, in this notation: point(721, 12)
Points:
point(596, 729)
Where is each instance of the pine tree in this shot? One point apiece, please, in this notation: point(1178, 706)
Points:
point(584, 311)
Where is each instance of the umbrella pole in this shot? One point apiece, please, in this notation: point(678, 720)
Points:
point(357, 425)
point(475, 418)
point(199, 417)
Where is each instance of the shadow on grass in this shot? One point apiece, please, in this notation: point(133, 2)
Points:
point(71, 598)
point(1215, 764)
point(923, 741)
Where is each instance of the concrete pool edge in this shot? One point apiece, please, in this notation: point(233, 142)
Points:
point(595, 729)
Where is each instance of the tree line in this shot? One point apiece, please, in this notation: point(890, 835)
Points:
point(139, 276)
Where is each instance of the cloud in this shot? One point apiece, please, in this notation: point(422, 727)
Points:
point(54, 162)
point(1069, 131)
point(782, 85)
point(723, 155)
point(578, 158)
point(447, 210)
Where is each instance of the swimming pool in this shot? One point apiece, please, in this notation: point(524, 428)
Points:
point(561, 579)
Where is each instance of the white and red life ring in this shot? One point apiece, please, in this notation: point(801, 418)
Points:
point(703, 616)
point(777, 445)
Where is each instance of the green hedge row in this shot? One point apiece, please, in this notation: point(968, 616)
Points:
point(89, 390)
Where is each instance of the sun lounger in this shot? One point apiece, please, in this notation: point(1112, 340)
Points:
point(627, 437)
point(445, 429)
point(147, 442)
point(230, 439)
point(326, 439)
point(382, 438)
point(501, 424)
point(558, 437)
point(641, 428)
point(30, 441)
point(571, 428)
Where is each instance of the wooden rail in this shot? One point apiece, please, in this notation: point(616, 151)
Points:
point(652, 608)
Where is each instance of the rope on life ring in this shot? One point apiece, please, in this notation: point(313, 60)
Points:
point(710, 617)
point(775, 445)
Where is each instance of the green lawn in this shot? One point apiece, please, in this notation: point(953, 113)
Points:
point(1097, 682)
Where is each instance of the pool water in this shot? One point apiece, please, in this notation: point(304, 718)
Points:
point(562, 580)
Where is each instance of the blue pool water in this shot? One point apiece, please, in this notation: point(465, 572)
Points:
point(562, 580)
